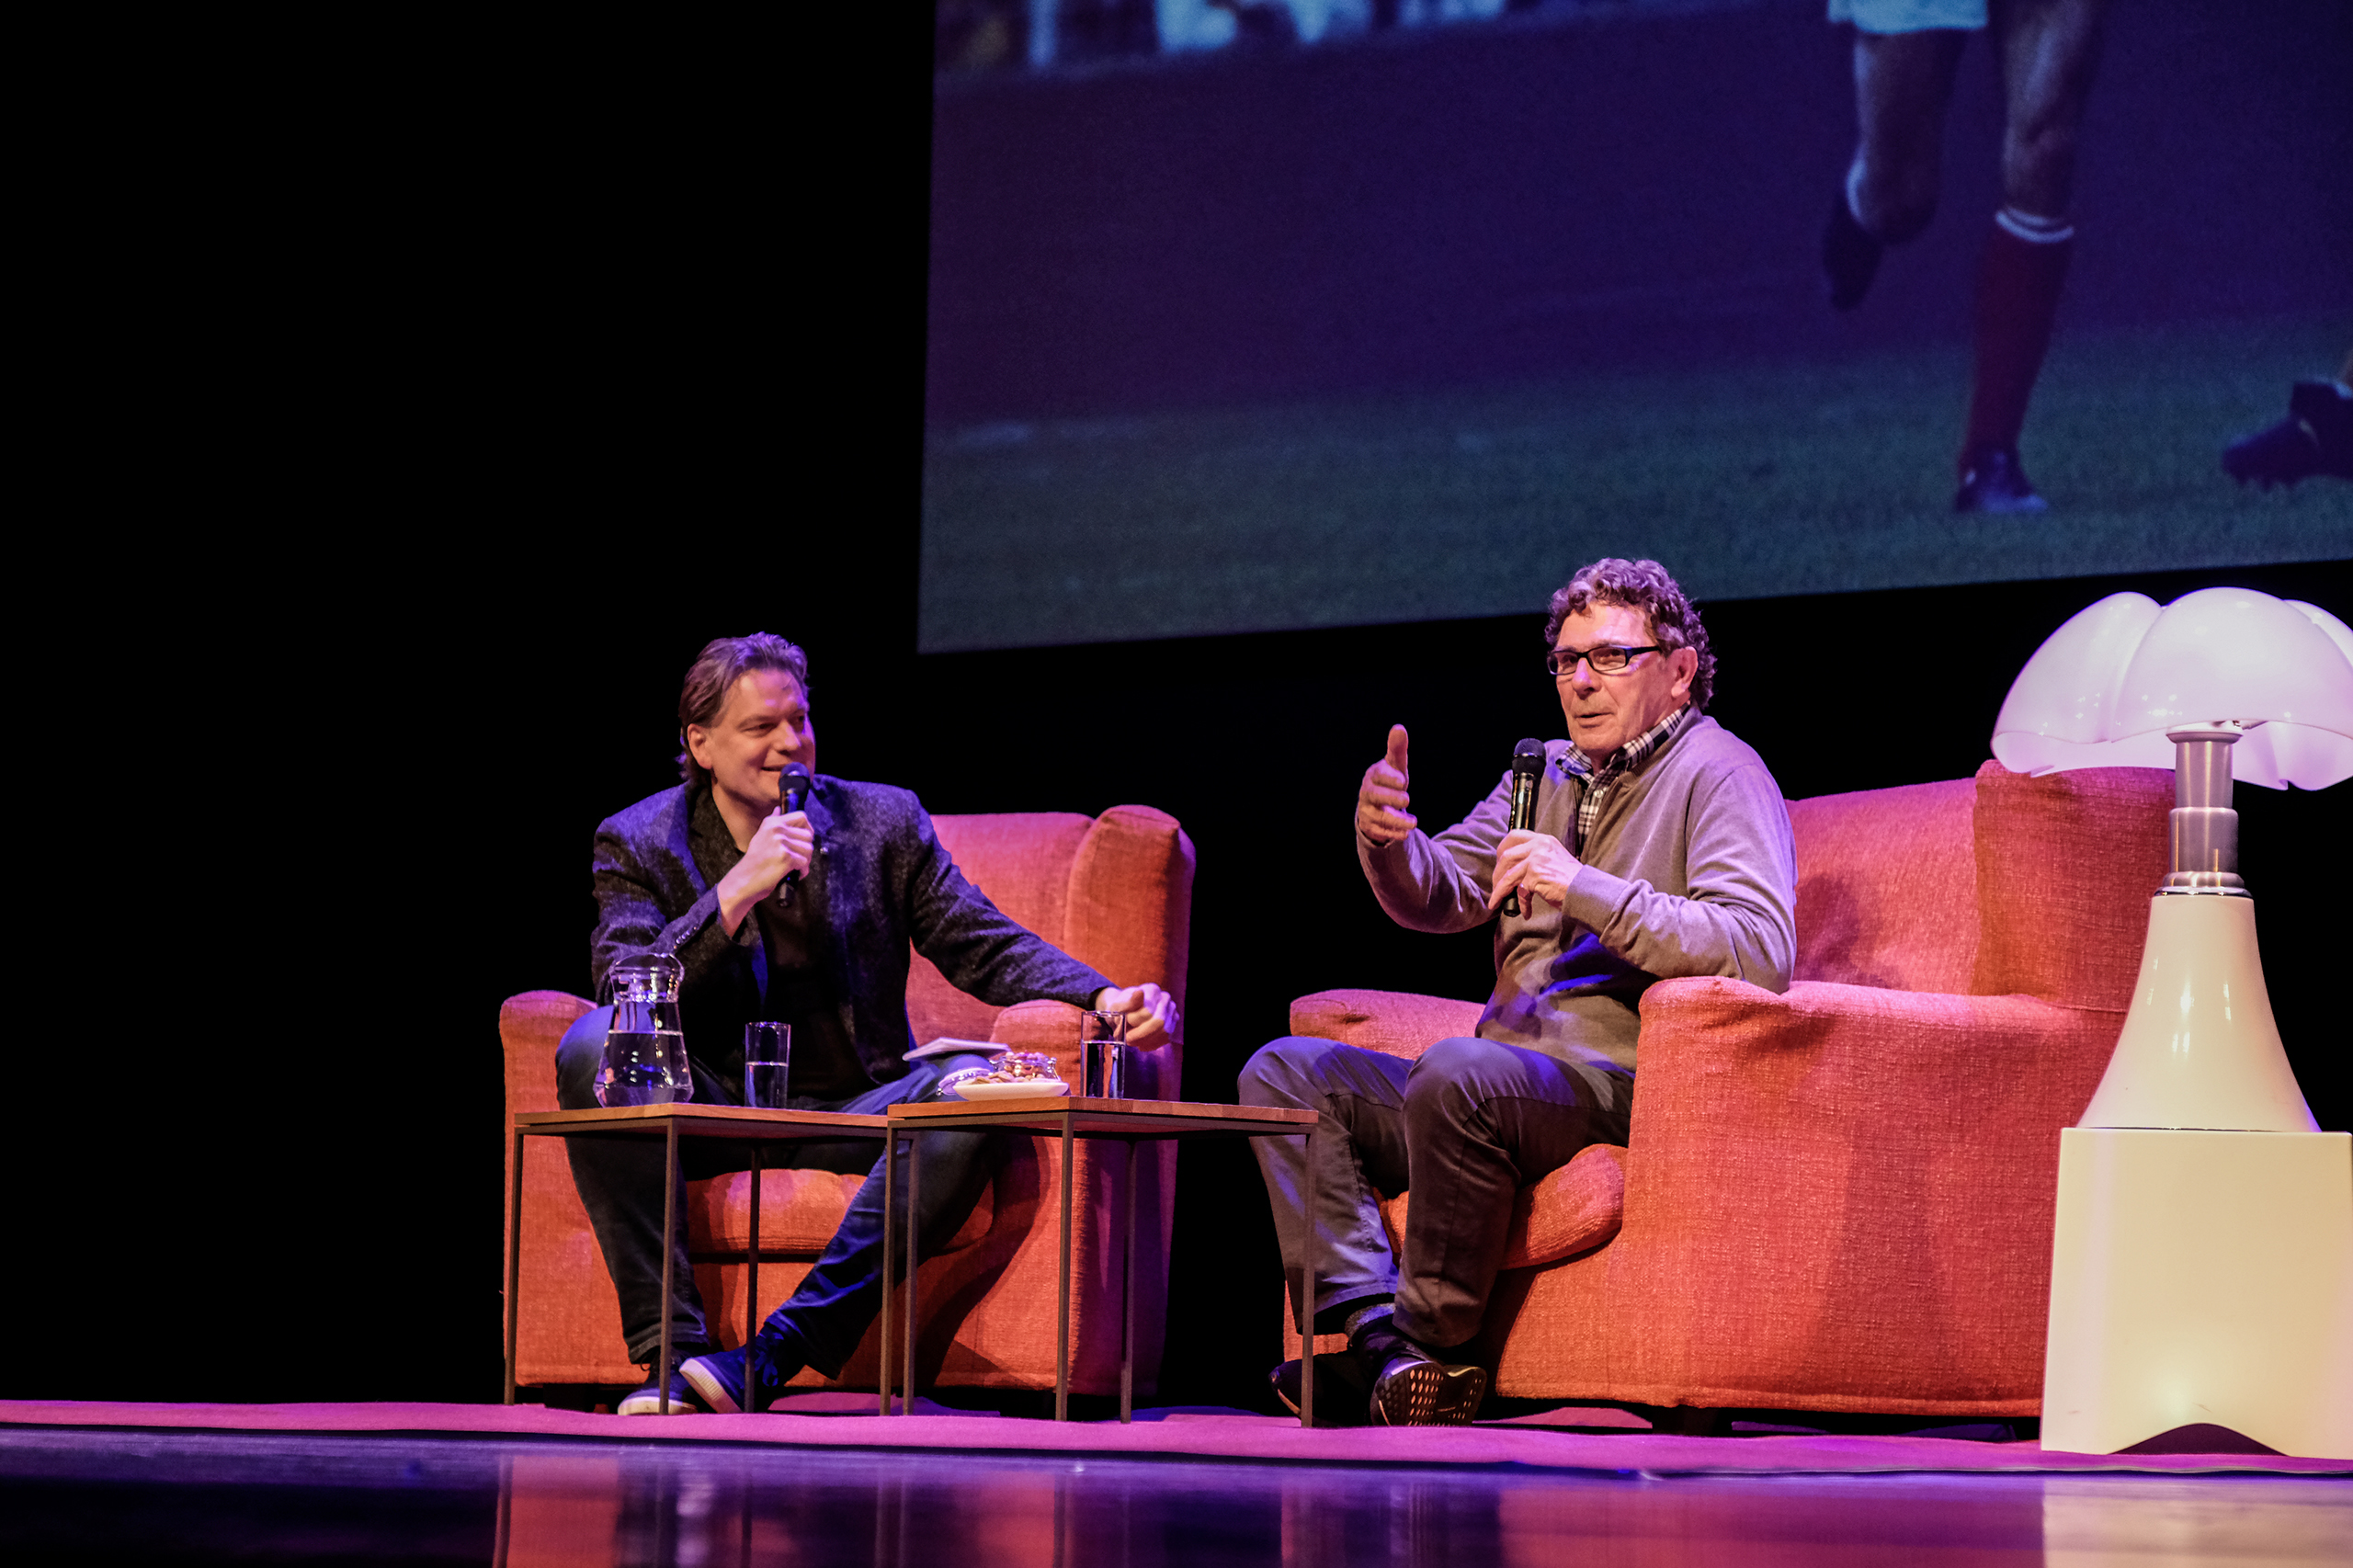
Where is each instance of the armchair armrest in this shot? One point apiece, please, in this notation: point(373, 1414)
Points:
point(1851, 1186)
point(1398, 1023)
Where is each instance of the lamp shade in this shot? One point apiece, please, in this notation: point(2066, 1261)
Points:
point(2103, 690)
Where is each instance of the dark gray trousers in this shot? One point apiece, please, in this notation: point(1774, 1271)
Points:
point(620, 1181)
point(1464, 1128)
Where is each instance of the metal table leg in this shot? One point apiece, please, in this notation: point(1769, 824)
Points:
point(882, 1357)
point(915, 1177)
point(1127, 1302)
point(1062, 1292)
point(669, 1244)
point(752, 1290)
point(514, 1256)
point(1307, 1302)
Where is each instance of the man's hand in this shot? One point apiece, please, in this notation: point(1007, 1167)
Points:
point(1538, 864)
point(1152, 1014)
point(1381, 817)
point(783, 842)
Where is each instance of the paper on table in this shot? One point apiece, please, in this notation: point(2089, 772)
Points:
point(948, 1045)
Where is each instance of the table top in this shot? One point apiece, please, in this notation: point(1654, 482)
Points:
point(741, 1123)
point(1139, 1119)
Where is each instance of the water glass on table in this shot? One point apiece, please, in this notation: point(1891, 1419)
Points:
point(1103, 1055)
point(767, 1061)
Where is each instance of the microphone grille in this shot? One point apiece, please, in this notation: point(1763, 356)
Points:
point(1528, 757)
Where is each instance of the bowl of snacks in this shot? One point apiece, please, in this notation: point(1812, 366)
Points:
point(1017, 1076)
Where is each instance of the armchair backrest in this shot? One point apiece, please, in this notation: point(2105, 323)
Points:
point(1887, 887)
point(1115, 891)
point(2066, 865)
point(1997, 885)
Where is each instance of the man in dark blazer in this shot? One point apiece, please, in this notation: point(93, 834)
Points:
point(699, 874)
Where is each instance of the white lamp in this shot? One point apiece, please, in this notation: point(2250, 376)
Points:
point(2202, 1271)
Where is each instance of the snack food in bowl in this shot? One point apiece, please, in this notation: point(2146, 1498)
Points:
point(1019, 1074)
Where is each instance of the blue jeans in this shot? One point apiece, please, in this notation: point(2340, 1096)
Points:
point(620, 1182)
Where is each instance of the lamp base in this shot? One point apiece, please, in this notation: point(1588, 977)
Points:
point(2201, 1278)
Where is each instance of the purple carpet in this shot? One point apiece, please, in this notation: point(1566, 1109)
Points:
point(828, 1421)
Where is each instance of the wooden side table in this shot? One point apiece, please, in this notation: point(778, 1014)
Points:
point(1130, 1122)
point(738, 1124)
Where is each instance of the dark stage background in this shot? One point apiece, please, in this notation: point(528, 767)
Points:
point(598, 390)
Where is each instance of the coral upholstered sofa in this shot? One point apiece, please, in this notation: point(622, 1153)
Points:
point(1115, 891)
point(1839, 1198)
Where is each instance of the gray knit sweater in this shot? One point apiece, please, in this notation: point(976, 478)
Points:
point(1690, 871)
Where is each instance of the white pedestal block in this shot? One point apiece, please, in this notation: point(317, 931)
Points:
point(2201, 1278)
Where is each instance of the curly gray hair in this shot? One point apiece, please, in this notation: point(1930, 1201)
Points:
point(1643, 586)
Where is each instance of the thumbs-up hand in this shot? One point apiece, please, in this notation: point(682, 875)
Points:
point(1382, 800)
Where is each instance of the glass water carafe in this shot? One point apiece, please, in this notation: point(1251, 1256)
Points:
point(645, 1054)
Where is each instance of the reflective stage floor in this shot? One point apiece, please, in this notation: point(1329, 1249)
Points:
point(80, 1495)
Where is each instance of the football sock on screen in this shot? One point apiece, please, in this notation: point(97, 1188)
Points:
point(2017, 296)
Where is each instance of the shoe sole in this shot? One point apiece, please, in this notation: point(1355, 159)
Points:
point(651, 1405)
point(1430, 1394)
point(709, 1390)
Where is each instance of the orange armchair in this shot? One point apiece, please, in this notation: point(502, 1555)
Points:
point(1115, 891)
point(1841, 1197)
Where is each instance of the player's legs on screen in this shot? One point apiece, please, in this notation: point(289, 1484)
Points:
point(1903, 88)
point(2048, 49)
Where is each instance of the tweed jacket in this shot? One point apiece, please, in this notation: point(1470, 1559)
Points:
point(879, 880)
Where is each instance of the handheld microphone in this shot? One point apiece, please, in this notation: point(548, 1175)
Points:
point(791, 794)
point(1527, 766)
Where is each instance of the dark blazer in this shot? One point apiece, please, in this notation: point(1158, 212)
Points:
point(879, 880)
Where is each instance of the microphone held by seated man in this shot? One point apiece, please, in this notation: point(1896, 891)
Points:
point(1658, 846)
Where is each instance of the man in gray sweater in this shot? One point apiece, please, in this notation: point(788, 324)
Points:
point(1660, 847)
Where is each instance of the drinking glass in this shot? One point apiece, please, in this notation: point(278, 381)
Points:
point(645, 1050)
point(767, 1060)
point(1103, 1055)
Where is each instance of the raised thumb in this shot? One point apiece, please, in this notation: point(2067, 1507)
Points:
point(1396, 757)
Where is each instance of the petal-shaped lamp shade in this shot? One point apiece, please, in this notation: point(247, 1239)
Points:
point(2104, 688)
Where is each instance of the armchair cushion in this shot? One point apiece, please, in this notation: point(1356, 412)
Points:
point(1397, 1023)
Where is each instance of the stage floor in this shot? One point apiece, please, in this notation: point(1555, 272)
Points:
point(521, 1484)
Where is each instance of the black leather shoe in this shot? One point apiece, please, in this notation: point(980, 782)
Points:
point(1341, 1389)
point(1416, 1392)
point(1991, 481)
point(1850, 255)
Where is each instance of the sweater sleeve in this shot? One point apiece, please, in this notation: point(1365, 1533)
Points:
point(1441, 884)
point(1738, 918)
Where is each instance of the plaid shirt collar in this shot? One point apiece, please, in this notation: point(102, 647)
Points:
point(1601, 782)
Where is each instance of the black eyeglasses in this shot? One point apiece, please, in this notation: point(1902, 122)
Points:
point(1602, 661)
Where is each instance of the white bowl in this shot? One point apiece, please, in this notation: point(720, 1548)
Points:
point(1025, 1089)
